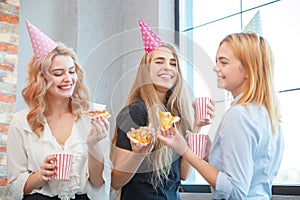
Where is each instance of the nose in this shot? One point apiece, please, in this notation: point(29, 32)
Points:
point(216, 68)
point(68, 77)
point(168, 66)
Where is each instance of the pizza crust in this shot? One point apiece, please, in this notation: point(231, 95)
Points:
point(96, 113)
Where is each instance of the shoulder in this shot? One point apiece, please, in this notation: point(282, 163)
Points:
point(134, 110)
point(20, 114)
point(247, 119)
point(132, 116)
point(137, 106)
point(20, 117)
point(19, 121)
point(249, 112)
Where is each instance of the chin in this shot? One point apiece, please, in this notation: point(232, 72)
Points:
point(221, 86)
point(162, 87)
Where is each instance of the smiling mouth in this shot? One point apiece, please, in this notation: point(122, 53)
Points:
point(165, 76)
point(221, 77)
point(65, 87)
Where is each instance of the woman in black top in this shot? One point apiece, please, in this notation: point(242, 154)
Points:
point(152, 171)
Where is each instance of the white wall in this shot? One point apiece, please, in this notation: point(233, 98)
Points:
point(47, 15)
point(104, 33)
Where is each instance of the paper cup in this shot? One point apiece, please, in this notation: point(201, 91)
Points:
point(201, 107)
point(63, 166)
point(197, 143)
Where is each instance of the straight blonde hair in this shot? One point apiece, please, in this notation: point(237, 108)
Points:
point(256, 56)
point(178, 103)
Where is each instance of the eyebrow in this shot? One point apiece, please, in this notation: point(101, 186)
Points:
point(159, 58)
point(60, 69)
point(221, 58)
point(162, 58)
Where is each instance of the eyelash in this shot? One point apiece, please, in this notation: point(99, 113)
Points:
point(159, 63)
point(222, 62)
point(60, 74)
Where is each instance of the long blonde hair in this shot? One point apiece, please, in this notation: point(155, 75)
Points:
point(178, 103)
point(256, 56)
point(35, 91)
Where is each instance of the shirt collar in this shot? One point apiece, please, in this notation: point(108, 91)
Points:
point(236, 99)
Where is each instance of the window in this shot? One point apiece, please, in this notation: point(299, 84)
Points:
point(206, 23)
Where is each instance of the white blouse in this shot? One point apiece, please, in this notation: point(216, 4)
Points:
point(26, 152)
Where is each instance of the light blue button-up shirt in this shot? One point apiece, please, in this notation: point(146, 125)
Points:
point(246, 153)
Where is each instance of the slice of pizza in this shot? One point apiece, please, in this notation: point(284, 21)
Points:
point(96, 113)
point(166, 120)
point(142, 135)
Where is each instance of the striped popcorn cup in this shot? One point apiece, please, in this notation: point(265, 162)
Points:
point(197, 143)
point(201, 107)
point(63, 166)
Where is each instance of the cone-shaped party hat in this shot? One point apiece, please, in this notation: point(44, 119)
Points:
point(254, 25)
point(41, 43)
point(150, 39)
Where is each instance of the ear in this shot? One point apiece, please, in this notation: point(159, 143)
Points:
point(245, 72)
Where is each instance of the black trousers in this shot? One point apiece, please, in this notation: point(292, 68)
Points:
point(38, 196)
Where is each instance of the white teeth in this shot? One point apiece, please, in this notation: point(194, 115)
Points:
point(65, 87)
point(165, 76)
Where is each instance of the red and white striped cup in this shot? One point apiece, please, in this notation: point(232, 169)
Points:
point(197, 143)
point(63, 166)
point(201, 107)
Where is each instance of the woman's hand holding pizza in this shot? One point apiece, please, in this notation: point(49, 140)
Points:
point(142, 139)
point(99, 131)
point(173, 139)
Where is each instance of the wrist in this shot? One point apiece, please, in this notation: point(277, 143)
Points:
point(186, 152)
point(196, 128)
point(39, 178)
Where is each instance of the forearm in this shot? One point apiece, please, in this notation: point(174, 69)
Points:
point(208, 172)
point(33, 182)
point(185, 169)
point(96, 167)
point(125, 163)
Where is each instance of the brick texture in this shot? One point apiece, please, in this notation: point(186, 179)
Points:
point(9, 41)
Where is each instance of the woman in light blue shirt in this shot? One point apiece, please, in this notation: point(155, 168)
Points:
point(246, 153)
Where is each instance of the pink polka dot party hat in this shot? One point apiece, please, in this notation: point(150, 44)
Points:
point(151, 40)
point(41, 43)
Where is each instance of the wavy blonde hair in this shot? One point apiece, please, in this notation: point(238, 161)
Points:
point(178, 103)
point(35, 91)
point(256, 56)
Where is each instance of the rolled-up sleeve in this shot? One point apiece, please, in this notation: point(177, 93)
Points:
point(16, 161)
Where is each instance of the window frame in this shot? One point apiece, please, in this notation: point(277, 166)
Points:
point(205, 188)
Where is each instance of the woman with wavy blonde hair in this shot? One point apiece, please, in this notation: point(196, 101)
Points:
point(247, 150)
point(152, 171)
point(34, 93)
point(51, 125)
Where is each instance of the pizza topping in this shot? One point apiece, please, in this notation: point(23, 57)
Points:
point(142, 135)
point(166, 120)
point(96, 113)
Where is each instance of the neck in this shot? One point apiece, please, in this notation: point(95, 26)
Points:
point(161, 96)
point(58, 107)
